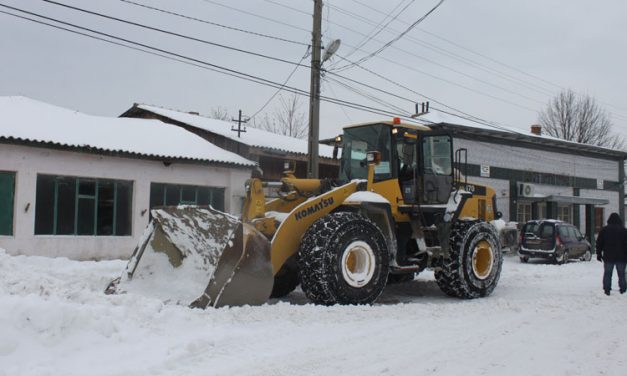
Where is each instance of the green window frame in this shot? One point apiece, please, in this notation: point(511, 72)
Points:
point(164, 194)
point(7, 202)
point(83, 206)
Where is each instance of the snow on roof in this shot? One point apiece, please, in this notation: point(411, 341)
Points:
point(30, 120)
point(436, 117)
point(252, 137)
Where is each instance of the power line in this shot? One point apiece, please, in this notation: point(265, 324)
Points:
point(257, 16)
point(450, 54)
point(511, 67)
point(401, 35)
point(370, 97)
point(204, 41)
point(215, 23)
point(466, 115)
point(378, 28)
point(411, 68)
point(197, 62)
point(282, 86)
point(463, 47)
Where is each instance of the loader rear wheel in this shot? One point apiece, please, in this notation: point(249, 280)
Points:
point(343, 259)
point(473, 267)
point(286, 280)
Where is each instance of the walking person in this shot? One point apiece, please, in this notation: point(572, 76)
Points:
point(612, 250)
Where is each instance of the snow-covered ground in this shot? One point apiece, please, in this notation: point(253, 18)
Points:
point(542, 319)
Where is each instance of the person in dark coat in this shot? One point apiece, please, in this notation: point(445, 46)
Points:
point(612, 250)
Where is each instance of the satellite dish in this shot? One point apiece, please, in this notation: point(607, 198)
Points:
point(330, 49)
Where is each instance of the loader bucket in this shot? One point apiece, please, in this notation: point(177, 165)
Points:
point(201, 257)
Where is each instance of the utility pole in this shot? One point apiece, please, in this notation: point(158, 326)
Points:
point(239, 122)
point(239, 128)
point(314, 93)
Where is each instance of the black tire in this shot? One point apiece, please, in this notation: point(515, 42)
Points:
point(524, 259)
point(286, 280)
point(587, 256)
point(458, 275)
point(324, 260)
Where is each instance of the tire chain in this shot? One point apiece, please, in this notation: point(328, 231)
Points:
point(450, 276)
point(313, 261)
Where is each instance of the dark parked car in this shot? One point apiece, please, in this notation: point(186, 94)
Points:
point(555, 240)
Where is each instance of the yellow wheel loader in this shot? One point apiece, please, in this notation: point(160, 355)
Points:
point(401, 204)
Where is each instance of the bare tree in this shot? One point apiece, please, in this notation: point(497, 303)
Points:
point(287, 119)
point(579, 118)
point(220, 113)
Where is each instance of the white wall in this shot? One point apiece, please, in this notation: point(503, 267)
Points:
point(520, 158)
point(27, 162)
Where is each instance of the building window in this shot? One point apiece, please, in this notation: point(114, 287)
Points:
point(563, 213)
point(173, 194)
point(524, 212)
point(82, 206)
point(7, 194)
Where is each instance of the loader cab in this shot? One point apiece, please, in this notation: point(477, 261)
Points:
point(419, 159)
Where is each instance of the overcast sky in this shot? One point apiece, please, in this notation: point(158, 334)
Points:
point(500, 60)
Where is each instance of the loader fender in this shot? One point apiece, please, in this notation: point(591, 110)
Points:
point(287, 239)
point(379, 210)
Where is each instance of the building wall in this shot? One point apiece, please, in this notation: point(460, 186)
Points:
point(27, 162)
point(602, 171)
point(609, 208)
point(498, 155)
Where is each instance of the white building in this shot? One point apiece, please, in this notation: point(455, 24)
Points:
point(81, 186)
point(538, 176)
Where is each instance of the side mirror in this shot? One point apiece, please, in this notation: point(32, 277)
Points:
point(498, 215)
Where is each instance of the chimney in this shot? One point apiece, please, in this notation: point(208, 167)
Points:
point(536, 129)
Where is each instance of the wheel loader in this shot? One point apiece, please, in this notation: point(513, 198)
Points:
point(400, 204)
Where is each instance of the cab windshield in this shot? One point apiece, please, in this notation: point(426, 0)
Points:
point(357, 142)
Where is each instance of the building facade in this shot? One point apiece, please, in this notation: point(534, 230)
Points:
point(538, 177)
point(91, 202)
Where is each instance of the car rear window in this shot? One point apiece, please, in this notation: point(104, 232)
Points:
point(531, 228)
point(547, 230)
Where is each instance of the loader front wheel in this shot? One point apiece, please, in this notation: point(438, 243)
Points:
point(473, 267)
point(343, 259)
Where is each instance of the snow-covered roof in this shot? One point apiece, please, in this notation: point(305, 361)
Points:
point(25, 119)
point(252, 137)
point(436, 117)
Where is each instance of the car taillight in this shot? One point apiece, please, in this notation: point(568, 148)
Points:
point(558, 241)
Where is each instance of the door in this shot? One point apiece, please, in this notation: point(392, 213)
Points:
point(598, 219)
point(568, 239)
point(582, 245)
point(437, 168)
point(541, 237)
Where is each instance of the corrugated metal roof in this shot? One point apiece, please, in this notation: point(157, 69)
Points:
point(252, 137)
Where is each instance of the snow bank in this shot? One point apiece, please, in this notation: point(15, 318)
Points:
point(542, 319)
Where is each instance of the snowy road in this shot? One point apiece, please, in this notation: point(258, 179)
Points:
point(542, 319)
